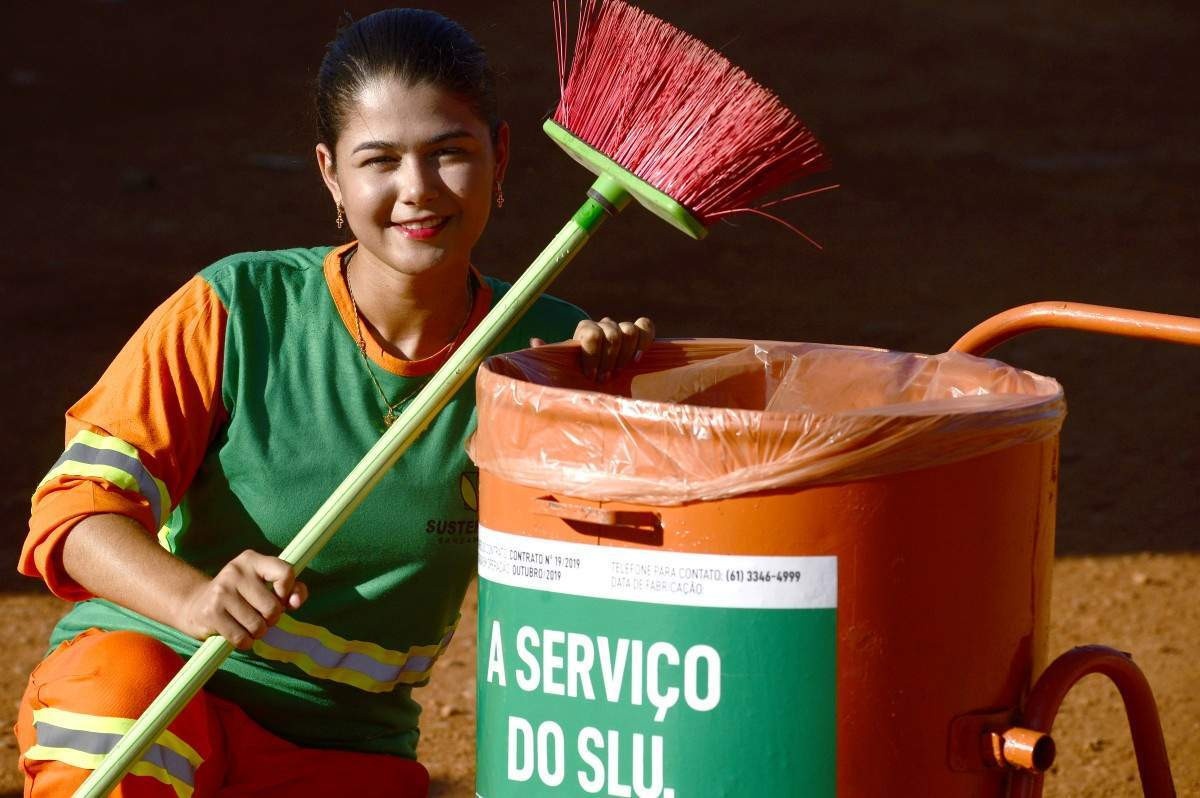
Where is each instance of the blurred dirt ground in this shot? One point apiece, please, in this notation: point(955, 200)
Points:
point(989, 153)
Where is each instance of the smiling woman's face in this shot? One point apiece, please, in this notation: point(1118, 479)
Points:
point(415, 170)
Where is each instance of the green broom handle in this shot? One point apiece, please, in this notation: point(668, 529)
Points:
point(381, 457)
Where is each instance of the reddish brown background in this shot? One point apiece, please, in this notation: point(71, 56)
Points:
point(990, 154)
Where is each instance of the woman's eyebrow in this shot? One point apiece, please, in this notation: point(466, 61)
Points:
point(373, 145)
point(458, 133)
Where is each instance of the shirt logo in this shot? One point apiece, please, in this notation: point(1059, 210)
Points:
point(468, 485)
point(457, 530)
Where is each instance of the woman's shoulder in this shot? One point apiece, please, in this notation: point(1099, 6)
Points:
point(266, 269)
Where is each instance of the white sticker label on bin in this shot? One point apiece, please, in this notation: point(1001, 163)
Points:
point(658, 577)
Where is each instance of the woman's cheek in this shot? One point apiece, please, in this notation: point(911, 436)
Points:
point(468, 181)
point(377, 196)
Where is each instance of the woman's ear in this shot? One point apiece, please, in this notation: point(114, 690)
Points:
point(501, 147)
point(328, 172)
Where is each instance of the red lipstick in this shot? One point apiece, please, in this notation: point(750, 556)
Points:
point(421, 233)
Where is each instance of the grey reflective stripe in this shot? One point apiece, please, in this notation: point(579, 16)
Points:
point(89, 742)
point(82, 453)
point(328, 658)
point(421, 663)
point(417, 664)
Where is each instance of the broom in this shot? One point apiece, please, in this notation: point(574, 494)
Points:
point(658, 117)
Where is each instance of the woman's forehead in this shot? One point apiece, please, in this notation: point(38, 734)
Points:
point(394, 110)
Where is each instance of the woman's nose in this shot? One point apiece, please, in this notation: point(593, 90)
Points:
point(418, 181)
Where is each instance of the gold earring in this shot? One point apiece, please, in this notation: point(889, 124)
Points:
point(341, 217)
point(499, 195)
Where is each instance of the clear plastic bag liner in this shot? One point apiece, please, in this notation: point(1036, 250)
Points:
point(707, 419)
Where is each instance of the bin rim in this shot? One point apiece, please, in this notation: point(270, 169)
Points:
point(542, 425)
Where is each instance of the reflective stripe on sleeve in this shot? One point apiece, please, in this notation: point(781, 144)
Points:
point(82, 741)
point(367, 666)
point(90, 454)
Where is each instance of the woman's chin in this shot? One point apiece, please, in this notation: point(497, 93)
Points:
point(413, 258)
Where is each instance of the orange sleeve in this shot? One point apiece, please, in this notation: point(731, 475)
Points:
point(135, 441)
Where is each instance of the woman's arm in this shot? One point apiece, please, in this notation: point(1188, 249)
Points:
point(136, 439)
point(111, 556)
point(134, 443)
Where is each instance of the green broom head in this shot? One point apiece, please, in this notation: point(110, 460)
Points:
point(690, 135)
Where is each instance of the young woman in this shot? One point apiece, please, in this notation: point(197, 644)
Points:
point(233, 413)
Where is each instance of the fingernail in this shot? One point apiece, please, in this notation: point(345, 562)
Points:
point(637, 358)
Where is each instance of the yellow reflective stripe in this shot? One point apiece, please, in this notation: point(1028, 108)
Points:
point(105, 725)
point(109, 442)
point(117, 476)
point(74, 468)
point(339, 645)
point(175, 523)
point(86, 761)
point(413, 677)
point(95, 441)
point(311, 667)
point(144, 768)
point(434, 650)
point(98, 441)
point(373, 650)
point(70, 756)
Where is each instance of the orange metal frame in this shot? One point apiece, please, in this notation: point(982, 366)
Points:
point(1077, 316)
point(1052, 687)
point(1047, 695)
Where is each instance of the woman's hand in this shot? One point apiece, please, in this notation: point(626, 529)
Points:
point(243, 600)
point(607, 345)
point(112, 557)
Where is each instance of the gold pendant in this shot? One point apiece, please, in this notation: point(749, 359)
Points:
point(389, 418)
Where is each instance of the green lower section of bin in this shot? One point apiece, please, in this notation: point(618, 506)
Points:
point(593, 696)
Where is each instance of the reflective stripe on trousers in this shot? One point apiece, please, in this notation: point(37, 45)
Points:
point(83, 740)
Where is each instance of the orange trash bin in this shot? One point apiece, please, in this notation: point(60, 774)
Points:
point(748, 568)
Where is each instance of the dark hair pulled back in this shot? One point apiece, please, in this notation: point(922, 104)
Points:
point(411, 44)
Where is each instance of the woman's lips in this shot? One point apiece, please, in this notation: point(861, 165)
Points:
point(422, 229)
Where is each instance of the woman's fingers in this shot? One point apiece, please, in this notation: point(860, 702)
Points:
point(299, 596)
point(248, 624)
point(645, 329)
point(591, 346)
point(612, 347)
point(232, 630)
point(607, 345)
point(629, 344)
point(266, 583)
point(246, 598)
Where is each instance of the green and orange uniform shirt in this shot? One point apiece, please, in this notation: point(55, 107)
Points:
point(226, 421)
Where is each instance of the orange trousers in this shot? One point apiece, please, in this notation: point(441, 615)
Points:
point(83, 696)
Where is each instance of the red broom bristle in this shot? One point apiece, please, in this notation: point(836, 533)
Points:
point(676, 113)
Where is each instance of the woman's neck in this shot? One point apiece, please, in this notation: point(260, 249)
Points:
point(412, 317)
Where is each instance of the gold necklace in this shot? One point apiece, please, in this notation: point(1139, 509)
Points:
point(392, 413)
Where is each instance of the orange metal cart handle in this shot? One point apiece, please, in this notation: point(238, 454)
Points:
point(1052, 686)
point(1078, 316)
